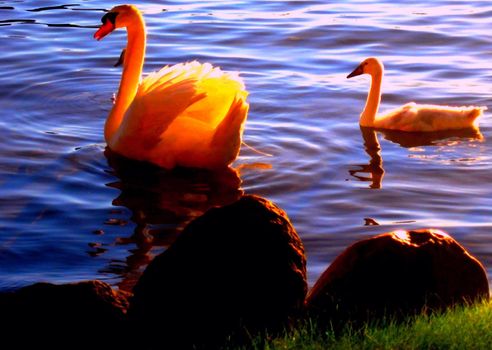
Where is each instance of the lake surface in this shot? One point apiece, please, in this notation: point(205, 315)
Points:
point(70, 210)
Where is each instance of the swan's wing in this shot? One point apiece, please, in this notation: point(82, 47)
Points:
point(186, 90)
point(413, 117)
point(401, 118)
point(221, 89)
point(162, 96)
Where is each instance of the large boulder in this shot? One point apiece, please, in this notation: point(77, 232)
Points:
point(396, 274)
point(236, 270)
point(87, 313)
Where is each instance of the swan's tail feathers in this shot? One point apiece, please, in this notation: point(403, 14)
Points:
point(475, 113)
point(228, 135)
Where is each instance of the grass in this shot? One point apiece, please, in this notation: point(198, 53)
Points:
point(460, 328)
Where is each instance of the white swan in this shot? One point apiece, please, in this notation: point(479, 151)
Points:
point(410, 117)
point(189, 114)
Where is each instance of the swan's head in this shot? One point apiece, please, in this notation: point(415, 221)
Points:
point(369, 66)
point(118, 17)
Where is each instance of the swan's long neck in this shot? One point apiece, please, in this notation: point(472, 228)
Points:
point(130, 78)
point(370, 111)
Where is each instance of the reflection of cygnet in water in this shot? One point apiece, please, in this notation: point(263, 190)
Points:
point(410, 117)
point(404, 139)
point(433, 138)
point(375, 166)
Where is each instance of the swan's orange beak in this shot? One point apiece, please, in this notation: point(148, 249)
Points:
point(108, 25)
point(104, 30)
point(357, 71)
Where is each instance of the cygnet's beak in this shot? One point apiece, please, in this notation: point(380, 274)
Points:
point(357, 71)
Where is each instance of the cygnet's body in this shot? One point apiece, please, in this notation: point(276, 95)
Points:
point(410, 117)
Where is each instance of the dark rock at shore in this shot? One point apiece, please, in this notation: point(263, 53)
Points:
point(397, 274)
point(235, 271)
point(63, 316)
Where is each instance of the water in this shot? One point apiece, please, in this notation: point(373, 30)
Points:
point(70, 211)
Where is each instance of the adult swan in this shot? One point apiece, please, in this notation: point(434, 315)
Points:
point(189, 114)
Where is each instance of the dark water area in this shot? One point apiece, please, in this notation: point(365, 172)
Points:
point(71, 210)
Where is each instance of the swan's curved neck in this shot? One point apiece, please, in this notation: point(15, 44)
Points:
point(368, 115)
point(130, 78)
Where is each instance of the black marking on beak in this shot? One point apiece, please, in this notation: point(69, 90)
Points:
point(110, 16)
point(357, 71)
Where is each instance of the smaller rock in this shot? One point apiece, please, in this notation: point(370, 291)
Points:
point(86, 313)
point(397, 273)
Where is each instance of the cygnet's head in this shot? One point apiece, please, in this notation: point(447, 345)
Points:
point(118, 17)
point(370, 66)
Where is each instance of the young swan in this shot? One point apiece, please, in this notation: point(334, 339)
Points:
point(189, 114)
point(410, 117)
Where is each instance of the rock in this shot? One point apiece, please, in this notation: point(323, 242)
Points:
point(87, 312)
point(397, 273)
point(232, 272)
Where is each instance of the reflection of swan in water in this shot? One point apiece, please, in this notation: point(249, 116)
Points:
point(375, 166)
point(162, 202)
point(404, 139)
point(410, 117)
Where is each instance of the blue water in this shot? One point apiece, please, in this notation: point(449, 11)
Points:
point(70, 211)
